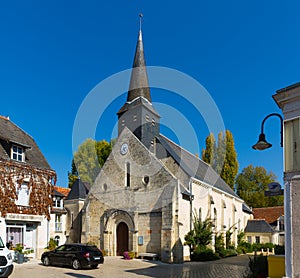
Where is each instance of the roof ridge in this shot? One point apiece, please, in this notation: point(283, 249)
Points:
point(5, 118)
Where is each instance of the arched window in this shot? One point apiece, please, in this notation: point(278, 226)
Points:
point(215, 217)
point(127, 174)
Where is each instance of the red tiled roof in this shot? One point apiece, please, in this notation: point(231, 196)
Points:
point(270, 214)
point(63, 190)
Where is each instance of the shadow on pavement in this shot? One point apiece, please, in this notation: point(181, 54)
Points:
point(78, 275)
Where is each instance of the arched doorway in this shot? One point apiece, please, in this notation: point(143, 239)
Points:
point(122, 238)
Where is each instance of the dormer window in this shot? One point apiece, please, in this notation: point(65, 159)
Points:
point(17, 153)
point(57, 202)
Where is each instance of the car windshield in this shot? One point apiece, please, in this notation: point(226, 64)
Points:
point(61, 248)
point(1, 243)
point(92, 248)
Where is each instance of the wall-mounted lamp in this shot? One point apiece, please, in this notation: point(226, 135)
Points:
point(262, 143)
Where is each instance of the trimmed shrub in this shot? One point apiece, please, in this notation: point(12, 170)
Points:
point(201, 253)
point(279, 250)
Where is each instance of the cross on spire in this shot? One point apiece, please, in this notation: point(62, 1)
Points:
point(141, 16)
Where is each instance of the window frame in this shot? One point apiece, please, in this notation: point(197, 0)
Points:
point(19, 153)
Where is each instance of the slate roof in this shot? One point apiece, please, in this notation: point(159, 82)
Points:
point(194, 166)
point(10, 134)
point(247, 209)
point(79, 190)
point(258, 226)
point(270, 214)
point(139, 86)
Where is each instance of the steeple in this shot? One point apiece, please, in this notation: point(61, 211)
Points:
point(139, 86)
point(137, 113)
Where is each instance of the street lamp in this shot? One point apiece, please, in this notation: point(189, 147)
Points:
point(262, 143)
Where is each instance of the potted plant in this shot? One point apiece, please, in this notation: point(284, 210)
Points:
point(19, 252)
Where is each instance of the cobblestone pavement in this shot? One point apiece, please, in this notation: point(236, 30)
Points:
point(234, 267)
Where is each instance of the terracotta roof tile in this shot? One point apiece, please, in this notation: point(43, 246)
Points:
point(270, 214)
point(63, 190)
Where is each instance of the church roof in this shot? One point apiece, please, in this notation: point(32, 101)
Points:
point(11, 134)
point(138, 86)
point(194, 166)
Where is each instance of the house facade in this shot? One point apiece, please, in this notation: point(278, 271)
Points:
point(26, 188)
point(274, 217)
point(259, 231)
point(150, 188)
point(288, 100)
point(58, 216)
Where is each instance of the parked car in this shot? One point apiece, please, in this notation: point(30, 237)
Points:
point(75, 255)
point(6, 261)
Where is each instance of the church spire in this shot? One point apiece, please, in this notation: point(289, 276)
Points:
point(139, 86)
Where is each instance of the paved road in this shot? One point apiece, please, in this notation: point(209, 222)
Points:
point(116, 267)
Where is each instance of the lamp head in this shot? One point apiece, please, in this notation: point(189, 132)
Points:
point(262, 143)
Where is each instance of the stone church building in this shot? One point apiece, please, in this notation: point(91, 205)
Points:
point(150, 188)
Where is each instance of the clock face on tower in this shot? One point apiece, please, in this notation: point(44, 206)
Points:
point(124, 148)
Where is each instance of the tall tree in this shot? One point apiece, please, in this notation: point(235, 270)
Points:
point(230, 166)
point(222, 156)
point(73, 175)
point(209, 152)
point(251, 184)
point(88, 160)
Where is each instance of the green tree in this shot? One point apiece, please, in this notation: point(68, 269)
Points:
point(251, 184)
point(222, 156)
point(103, 149)
point(88, 160)
point(73, 175)
point(230, 166)
point(209, 152)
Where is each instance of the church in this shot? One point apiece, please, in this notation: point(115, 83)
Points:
point(150, 188)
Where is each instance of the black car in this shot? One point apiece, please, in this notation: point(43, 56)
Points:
point(75, 255)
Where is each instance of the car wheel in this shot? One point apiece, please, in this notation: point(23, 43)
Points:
point(46, 261)
point(94, 266)
point(76, 264)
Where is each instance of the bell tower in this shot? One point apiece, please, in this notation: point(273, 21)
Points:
point(138, 114)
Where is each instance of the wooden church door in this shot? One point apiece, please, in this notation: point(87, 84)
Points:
point(122, 238)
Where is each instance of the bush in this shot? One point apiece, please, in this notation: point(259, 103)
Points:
point(279, 250)
point(244, 247)
point(264, 246)
point(52, 244)
point(201, 253)
point(219, 243)
point(131, 254)
point(258, 267)
point(227, 253)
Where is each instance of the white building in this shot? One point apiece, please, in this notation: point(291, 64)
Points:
point(25, 195)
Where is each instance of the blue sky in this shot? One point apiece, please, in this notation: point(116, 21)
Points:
point(53, 53)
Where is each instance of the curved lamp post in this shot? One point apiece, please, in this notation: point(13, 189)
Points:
point(262, 143)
